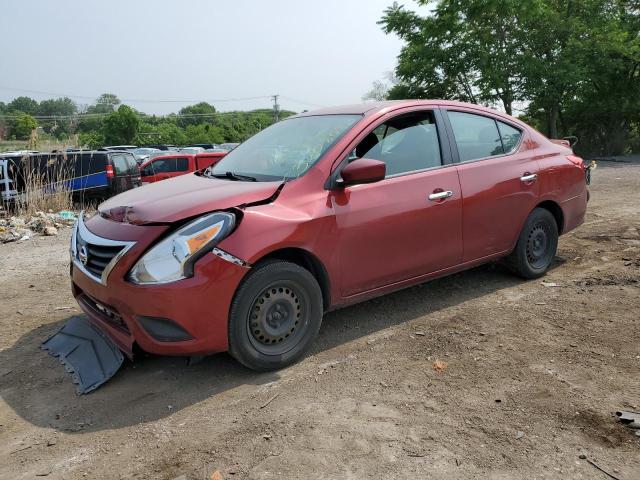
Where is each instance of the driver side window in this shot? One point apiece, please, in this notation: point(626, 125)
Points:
point(407, 143)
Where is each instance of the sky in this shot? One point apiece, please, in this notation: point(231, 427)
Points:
point(312, 53)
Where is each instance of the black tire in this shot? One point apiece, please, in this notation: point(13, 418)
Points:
point(275, 315)
point(536, 247)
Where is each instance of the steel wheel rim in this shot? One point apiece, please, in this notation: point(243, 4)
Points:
point(276, 320)
point(538, 246)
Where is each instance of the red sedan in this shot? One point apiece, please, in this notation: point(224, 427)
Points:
point(322, 210)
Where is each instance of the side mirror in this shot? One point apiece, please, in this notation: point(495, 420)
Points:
point(363, 170)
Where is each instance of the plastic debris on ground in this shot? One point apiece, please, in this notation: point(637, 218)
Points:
point(20, 229)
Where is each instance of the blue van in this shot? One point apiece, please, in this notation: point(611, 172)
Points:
point(88, 174)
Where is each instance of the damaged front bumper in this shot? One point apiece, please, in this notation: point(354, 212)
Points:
point(185, 317)
point(188, 317)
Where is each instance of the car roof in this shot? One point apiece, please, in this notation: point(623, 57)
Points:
point(372, 108)
point(208, 153)
point(354, 109)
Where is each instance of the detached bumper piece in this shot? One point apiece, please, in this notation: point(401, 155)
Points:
point(86, 353)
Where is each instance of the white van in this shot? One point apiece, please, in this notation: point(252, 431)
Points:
point(7, 190)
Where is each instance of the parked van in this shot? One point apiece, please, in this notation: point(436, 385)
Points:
point(168, 166)
point(88, 174)
point(7, 190)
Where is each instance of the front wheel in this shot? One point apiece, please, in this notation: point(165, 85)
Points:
point(537, 245)
point(275, 315)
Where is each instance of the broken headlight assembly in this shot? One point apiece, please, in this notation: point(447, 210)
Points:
point(173, 258)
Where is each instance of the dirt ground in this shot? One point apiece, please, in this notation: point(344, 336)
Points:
point(533, 377)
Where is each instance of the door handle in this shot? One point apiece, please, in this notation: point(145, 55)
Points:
point(440, 195)
point(528, 177)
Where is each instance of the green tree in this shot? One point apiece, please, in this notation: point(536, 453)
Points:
point(160, 132)
point(106, 103)
point(197, 114)
point(121, 126)
point(465, 50)
point(94, 119)
point(591, 85)
point(88, 124)
point(23, 127)
point(64, 108)
point(24, 104)
point(561, 57)
point(203, 134)
point(57, 106)
point(91, 140)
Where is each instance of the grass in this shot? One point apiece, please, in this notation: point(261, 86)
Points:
point(40, 142)
point(42, 189)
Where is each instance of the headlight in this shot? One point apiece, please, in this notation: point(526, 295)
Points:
point(173, 258)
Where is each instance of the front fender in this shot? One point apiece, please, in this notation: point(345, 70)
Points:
point(265, 229)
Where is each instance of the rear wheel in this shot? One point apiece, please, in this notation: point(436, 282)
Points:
point(275, 315)
point(537, 245)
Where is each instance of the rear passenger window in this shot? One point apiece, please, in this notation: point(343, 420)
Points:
point(476, 136)
point(131, 162)
point(120, 165)
point(510, 137)
point(167, 165)
point(407, 143)
point(182, 164)
point(164, 165)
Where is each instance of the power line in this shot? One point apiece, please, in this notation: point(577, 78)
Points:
point(136, 100)
point(80, 116)
point(146, 100)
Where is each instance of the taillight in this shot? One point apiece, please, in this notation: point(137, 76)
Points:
point(577, 161)
point(109, 171)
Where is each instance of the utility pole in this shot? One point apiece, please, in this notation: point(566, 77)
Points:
point(276, 108)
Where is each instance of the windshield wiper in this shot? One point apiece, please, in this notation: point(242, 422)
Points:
point(234, 176)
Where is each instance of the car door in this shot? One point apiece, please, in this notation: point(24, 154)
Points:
point(158, 169)
point(498, 176)
point(408, 224)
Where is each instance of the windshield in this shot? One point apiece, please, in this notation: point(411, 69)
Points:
point(286, 149)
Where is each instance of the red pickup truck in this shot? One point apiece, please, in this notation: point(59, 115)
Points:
point(168, 166)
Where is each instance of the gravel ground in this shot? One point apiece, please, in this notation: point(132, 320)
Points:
point(529, 378)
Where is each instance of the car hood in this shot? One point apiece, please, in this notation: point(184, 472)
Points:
point(183, 197)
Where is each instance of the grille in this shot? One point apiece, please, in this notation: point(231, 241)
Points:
point(95, 255)
point(98, 256)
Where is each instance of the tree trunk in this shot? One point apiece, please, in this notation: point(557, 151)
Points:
point(506, 103)
point(563, 124)
point(507, 99)
point(552, 119)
